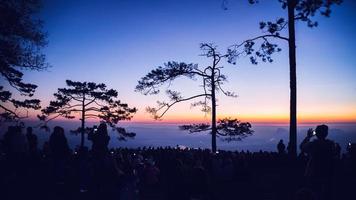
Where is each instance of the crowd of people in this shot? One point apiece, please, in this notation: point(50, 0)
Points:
point(57, 172)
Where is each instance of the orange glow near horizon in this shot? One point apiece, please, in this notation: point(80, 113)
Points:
point(264, 118)
point(280, 117)
point(307, 114)
point(259, 120)
point(256, 119)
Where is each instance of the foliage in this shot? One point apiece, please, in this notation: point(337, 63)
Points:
point(262, 47)
point(89, 100)
point(297, 10)
point(21, 41)
point(230, 129)
point(211, 78)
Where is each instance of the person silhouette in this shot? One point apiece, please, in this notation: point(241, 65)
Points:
point(15, 141)
point(58, 143)
point(101, 165)
point(320, 166)
point(32, 141)
point(16, 148)
point(350, 157)
point(281, 147)
point(59, 151)
point(100, 139)
point(337, 150)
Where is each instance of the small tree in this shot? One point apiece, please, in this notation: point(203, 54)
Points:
point(90, 100)
point(298, 10)
point(21, 40)
point(212, 80)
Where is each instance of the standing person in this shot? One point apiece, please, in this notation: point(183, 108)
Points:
point(33, 163)
point(16, 148)
point(59, 151)
point(32, 141)
point(320, 166)
point(100, 139)
point(15, 141)
point(338, 151)
point(281, 147)
point(101, 163)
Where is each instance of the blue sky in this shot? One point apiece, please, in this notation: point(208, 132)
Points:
point(117, 42)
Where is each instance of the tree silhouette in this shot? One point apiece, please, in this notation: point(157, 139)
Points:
point(212, 81)
point(90, 100)
point(21, 41)
point(229, 129)
point(263, 46)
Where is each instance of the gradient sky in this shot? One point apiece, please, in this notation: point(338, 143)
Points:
point(118, 42)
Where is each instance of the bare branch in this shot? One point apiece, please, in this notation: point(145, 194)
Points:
point(226, 93)
point(167, 106)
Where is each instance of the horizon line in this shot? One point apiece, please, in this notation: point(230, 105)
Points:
point(258, 122)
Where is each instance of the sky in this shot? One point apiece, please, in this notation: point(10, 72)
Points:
point(118, 42)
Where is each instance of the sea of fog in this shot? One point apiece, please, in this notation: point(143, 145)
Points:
point(265, 137)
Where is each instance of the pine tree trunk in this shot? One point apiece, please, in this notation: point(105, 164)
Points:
point(82, 131)
point(293, 81)
point(213, 115)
